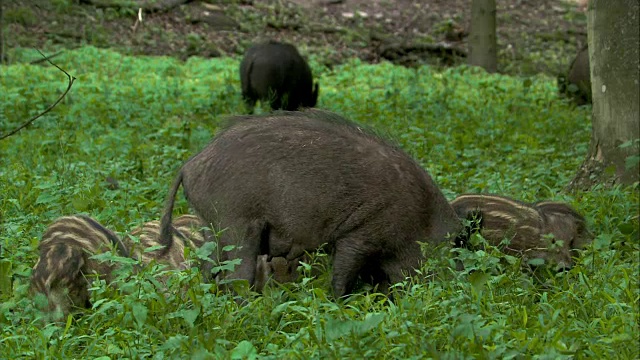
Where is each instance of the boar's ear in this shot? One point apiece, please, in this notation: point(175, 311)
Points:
point(314, 95)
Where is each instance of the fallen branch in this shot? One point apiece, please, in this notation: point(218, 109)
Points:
point(64, 34)
point(71, 80)
point(394, 51)
point(410, 54)
point(147, 5)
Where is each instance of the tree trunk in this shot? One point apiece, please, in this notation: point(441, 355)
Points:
point(1, 35)
point(614, 38)
point(483, 49)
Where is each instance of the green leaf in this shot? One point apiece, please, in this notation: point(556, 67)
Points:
point(139, 313)
point(175, 342)
point(153, 248)
point(227, 265)
point(114, 349)
point(228, 248)
point(80, 204)
point(628, 143)
point(190, 316)
point(206, 250)
point(536, 262)
point(371, 321)
point(108, 256)
point(602, 241)
point(631, 162)
point(335, 328)
point(282, 308)
point(5, 278)
point(511, 259)
point(244, 350)
point(202, 354)
point(45, 198)
point(627, 228)
point(464, 328)
point(478, 279)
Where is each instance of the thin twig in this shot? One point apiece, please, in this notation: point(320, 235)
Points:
point(134, 28)
point(71, 80)
point(34, 62)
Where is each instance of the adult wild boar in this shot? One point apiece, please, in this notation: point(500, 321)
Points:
point(577, 83)
point(276, 72)
point(289, 182)
point(547, 230)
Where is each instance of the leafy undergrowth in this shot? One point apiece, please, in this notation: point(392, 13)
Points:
point(135, 120)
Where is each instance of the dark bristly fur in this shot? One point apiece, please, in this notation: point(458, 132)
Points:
point(276, 72)
point(527, 226)
point(576, 84)
point(288, 182)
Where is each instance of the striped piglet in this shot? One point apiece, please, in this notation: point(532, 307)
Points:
point(549, 230)
point(64, 268)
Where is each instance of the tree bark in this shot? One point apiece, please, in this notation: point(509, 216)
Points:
point(1, 34)
point(614, 37)
point(483, 49)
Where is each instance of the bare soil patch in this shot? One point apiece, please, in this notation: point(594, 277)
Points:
point(534, 35)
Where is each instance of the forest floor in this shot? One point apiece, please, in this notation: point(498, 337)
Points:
point(534, 36)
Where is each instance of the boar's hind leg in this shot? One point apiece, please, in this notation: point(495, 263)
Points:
point(398, 269)
point(247, 249)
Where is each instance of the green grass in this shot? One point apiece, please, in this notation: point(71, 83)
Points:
point(137, 119)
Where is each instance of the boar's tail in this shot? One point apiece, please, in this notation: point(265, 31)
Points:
point(166, 230)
